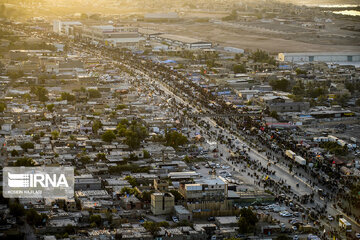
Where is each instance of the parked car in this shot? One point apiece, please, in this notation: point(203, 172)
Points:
point(175, 219)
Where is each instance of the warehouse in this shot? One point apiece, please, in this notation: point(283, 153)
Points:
point(184, 42)
point(331, 57)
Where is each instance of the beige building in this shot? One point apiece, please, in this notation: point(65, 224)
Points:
point(162, 203)
point(161, 185)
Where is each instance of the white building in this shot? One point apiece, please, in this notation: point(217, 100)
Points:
point(330, 57)
point(184, 42)
point(64, 27)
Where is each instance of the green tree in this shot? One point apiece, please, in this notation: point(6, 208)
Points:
point(247, 220)
point(27, 145)
point(67, 96)
point(26, 162)
point(2, 106)
point(131, 180)
point(40, 92)
point(299, 71)
point(152, 227)
point(55, 134)
point(94, 93)
point(120, 107)
point(14, 153)
point(135, 133)
point(34, 218)
point(146, 154)
point(16, 209)
point(108, 136)
point(263, 57)
point(281, 84)
point(175, 139)
point(239, 68)
point(50, 107)
point(96, 126)
point(95, 219)
point(274, 114)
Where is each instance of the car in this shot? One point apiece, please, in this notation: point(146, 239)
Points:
point(357, 235)
point(294, 228)
point(175, 219)
point(330, 218)
point(211, 219)
point(296, 237)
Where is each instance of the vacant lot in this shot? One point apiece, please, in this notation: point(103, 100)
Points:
point(225, 35)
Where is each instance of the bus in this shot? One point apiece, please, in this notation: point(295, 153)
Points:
point(344, 224)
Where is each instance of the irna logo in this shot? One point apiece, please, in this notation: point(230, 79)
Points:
point(36, 182)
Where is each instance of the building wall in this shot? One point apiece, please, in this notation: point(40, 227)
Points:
point(289, 107)
point(346, 57)
point(162, 203)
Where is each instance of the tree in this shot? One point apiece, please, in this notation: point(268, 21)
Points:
point(134, 134)
point(263, 57)
point(67, 96)
point(69, 229)
point(108, 136)
point(95, 219)
point(152, 227)
point(14, 153)
point(96, 126)
point(34, 218)
point(94, 93)
point(175, 139)
point(281, 85)
point(274, 114)
point(131, 180)
point(40, 92)
point(247, 221)
point(120, 107)
point(299, 71)
point(2, 106)
point(16, 209)
point(15, 74)
point(146, 154)
point(55, 134)
point(26, 162)
point(176, 194)
point(27, 145)
point(239, 68)
point(101, 156)
point(50, 107)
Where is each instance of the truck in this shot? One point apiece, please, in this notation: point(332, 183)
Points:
point(300, 160)
point(344, 224)
point(290, 154)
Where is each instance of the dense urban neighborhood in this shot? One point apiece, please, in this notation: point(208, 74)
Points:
point(172, 136)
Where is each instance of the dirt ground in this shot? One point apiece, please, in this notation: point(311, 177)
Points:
point(228, 36)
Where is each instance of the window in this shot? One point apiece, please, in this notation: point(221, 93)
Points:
point(311, 58)
point(349, 58)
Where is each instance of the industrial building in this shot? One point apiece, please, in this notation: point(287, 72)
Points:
point(111, 35)
point(184, 42)
point(330, 57)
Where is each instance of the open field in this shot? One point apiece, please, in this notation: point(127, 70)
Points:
point(230, 36)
